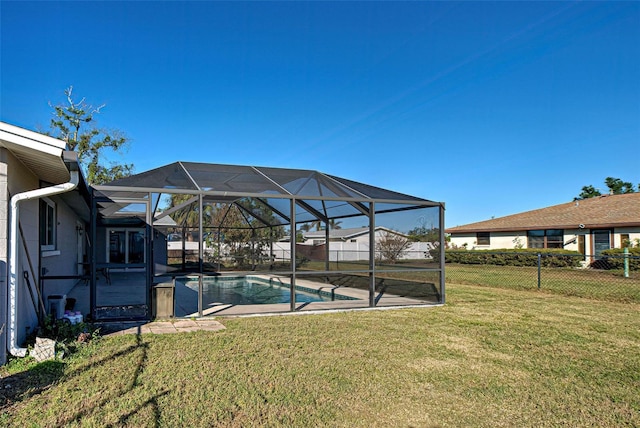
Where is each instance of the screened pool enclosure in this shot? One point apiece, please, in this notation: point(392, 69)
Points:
point(195, 239)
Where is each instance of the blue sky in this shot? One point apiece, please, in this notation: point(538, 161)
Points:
point(492, 107)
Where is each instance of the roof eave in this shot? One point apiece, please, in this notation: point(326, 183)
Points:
point(41, 154)
point(527, 228)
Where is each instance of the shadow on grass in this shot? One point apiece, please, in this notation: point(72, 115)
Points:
point(139, 345)
point(37, 379)
point(153, 402)
point(20, 386)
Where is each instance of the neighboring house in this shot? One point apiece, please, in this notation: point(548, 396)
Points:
point(359, 235)
point(352, 244)
point(589, 226)
point(43, 221)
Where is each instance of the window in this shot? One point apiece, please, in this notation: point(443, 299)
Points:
point(551, 238)
point(535, 239)
point(47, 224)
point(555, 238)
point(483, 238)
point(601, 241)
point(624, 240)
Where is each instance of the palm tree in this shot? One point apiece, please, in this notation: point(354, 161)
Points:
point(333, 224)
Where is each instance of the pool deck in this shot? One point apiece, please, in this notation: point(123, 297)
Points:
point(130, 288)
point(359, 300)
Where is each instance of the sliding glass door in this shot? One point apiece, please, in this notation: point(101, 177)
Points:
point(126, 246)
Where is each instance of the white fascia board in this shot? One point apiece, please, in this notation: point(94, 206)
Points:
point(23, 137)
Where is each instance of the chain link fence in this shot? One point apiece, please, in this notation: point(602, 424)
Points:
point(613, 278)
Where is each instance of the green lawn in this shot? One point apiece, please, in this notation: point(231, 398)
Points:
point(590, 283)
point(490, 357)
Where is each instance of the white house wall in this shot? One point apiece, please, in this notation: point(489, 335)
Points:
point(63, 261)
point(634, 234)
point(572, 235)
point(16, 178)
point(4, 245)
point(509, 240)
point(21, 180)
point(463, 240)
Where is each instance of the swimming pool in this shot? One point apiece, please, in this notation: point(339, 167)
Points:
point(241, 290)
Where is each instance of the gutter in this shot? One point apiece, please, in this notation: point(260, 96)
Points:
point(12, 345)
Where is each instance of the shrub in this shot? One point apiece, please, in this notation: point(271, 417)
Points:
point(68, 336)
point(615, 258)
point(515, 257)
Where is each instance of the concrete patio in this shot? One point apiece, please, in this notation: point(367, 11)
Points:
point(129, 289)
point(159, 327)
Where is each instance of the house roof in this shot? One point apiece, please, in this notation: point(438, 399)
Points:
point(46, 157)
point(41, 154)
point(344, 233)
point(593, 213)
point(337, 233)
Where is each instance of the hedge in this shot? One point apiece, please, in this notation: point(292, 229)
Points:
point(615, 258)
point(515, 257)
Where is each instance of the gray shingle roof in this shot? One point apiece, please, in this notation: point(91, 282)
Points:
point(337, 233)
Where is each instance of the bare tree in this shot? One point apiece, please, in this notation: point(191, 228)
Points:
point(73, 122)
point(391, 246)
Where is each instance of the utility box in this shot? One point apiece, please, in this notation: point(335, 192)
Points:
point(163, 298)
point(57, 303)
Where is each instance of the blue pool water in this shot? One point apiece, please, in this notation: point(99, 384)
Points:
point(246, 290)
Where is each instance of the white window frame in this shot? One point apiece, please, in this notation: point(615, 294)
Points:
point(49, 246)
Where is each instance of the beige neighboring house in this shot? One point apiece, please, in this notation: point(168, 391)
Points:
point(589, 226)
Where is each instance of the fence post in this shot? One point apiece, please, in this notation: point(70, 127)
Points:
point(626, 262)
point(539, 269)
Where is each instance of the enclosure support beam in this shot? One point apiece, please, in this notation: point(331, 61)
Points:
point(93, 256)
point(200, 254)
point(150, 266)
point(274, 209)
point(326, 246)
point(271, 258)
point(372, 255)
point(176, 208)
point(313, 211)
point(252, 214)
point(219, 249)
point(442, 261)
point(184, 253)
point(292, 240)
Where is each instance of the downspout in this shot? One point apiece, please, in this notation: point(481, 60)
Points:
point(14, 349)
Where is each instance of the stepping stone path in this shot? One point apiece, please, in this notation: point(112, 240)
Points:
point(160, 327)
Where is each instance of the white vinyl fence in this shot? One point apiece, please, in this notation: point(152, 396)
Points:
point(356, 251)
